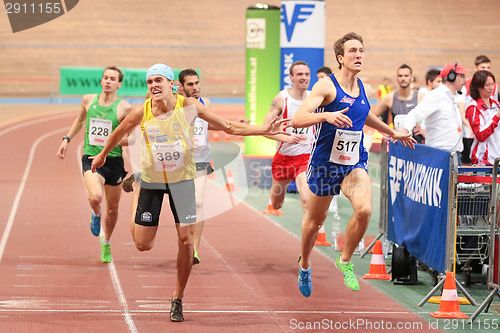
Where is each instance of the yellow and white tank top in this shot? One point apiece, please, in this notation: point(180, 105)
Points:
point(167, 146)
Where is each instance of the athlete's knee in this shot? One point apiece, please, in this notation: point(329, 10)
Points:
point(112, 212)
point(186, 240)
point(95, 199)
point(317, 219)
point(143, 246)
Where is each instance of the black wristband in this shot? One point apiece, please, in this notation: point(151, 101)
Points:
point(67, 138)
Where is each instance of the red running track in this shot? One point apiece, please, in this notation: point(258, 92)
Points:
point(52, 280)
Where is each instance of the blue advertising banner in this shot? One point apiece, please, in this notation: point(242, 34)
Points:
point(302, 36)
point(418, 202)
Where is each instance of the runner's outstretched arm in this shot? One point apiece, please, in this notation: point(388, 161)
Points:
point(127, 125)
point(234, 127)
point(403, 136)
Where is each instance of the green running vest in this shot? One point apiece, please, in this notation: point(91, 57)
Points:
point(100, 122)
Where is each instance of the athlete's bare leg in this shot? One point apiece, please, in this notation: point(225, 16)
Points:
point(314, 216)
point(112, 194)
point(144, 237)
point(94, 185)
point(357, 188)
point(184, 257)
point(278, 192)
point(135, 199)
point(301, 181)
point(200, 186)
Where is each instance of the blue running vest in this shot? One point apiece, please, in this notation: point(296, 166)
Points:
point(325, 132)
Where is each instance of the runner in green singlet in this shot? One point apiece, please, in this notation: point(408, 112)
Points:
point(101, 114)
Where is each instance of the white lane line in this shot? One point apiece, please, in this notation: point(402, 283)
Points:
point(279, 226)
point(32, 267)
point(121, 297)
point(112, 268)
point(32, 122)
point(36, 286)
point(229, 267)
point(241, 279)
point(20, 190)
point(219, 311)
point(268, 219)
point(114, 276)
point(147, 258)
point(51, 275)
point(41, 257)
point(63, 310)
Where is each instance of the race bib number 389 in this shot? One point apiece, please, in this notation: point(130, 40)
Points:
point(99, 131)
point(168, 156)
point(345, 149)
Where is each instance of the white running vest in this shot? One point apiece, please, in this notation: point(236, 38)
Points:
point(290, 106)
point(202, 151)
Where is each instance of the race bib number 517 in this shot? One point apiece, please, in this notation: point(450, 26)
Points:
point(345, 149)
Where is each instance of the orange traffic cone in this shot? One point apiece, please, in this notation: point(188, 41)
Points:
point(321, 238)
point(271, 211)
point(449, 307)
point(230, 181)
point(377, 265)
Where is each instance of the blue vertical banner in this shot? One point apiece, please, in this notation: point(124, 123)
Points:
point(418, 202)
point(302, 36)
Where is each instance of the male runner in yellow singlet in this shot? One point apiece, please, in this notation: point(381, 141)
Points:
point(168, 165)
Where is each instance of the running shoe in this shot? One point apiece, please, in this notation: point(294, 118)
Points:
point(176, 310)
point(95, 224)
point(106, 257)
point(347, 269)
point(196, 257)
point(304, 281)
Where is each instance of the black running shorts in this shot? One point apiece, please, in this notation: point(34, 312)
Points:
point(181, 198)
point(200, 166)
point(112, 171)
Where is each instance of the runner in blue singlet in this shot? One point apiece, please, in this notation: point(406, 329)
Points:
point(339, 109)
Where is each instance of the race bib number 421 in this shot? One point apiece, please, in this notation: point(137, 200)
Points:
point(305, 134)
point(345, 149)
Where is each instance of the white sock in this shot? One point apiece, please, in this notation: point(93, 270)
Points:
point(344, 262)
